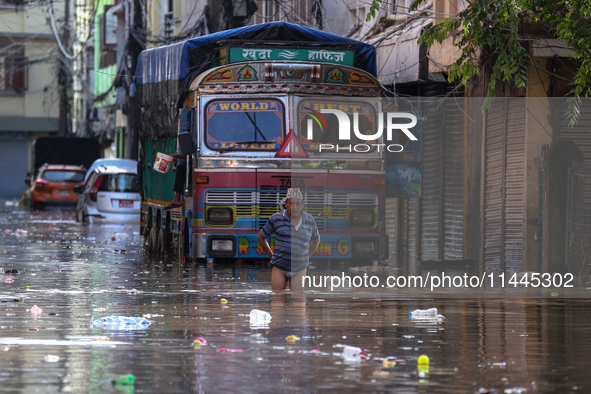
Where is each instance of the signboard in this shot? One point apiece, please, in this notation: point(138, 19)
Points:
point(403, 180)
point(235, 55)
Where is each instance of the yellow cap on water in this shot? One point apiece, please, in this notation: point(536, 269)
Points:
point(423, 360)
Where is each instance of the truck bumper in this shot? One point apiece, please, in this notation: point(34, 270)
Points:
point(342, 247)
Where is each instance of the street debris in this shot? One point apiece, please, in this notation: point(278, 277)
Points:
point(352, 353)
point(121, 323)
point(259, 319)
point(50, 358)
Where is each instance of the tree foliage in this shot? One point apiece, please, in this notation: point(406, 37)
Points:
point(495, 27)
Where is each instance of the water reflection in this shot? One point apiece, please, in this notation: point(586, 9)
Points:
point(74, 273)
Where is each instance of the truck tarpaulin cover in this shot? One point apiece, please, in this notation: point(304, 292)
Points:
point(164, 74)
point(65, 150)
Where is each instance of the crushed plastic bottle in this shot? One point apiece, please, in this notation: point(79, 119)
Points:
point(430, 313)
point(259, 319)
point(352, 353)
point(121, 323)
point(426, 314)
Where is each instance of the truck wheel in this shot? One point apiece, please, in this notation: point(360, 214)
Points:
point(152, 240)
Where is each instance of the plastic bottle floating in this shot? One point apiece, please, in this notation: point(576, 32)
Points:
point(426, 314)
point(125, 323)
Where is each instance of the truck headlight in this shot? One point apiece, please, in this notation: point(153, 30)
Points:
point(222, 245)
point(362, 217)
point(219, 216)
point(364, 247)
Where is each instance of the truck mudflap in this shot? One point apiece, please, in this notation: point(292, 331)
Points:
point(342, 247)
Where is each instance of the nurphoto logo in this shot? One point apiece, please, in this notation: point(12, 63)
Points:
point(344, 130)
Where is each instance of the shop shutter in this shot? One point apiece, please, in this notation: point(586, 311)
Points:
point(515, 186)
point(431, 183)
point(494, 162)
point(14, 165)
point(504, 186)
point(391, 205)
point(453, 191)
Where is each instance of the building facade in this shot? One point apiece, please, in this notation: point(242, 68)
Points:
point(29, 92)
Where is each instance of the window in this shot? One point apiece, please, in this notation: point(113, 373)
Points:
point(245, 124)
point(120, 183)
point(108, 33)
point(325, 128)
point(63, 176)
point(13, 68)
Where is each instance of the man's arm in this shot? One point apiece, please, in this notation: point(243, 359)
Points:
point(313, 247)
point(265, 245)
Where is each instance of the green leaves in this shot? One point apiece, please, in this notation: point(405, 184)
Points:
point(375, 7)
point(491, 37)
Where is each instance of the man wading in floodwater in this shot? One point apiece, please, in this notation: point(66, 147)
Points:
point(296, 239)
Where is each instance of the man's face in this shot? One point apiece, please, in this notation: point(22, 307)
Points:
point(294, 206)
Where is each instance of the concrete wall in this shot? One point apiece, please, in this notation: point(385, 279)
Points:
point(340, 16)
point(41, 99)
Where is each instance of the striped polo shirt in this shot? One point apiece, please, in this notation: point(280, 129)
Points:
point(291, 245)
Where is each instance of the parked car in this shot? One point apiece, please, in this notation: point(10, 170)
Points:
point(108, 162)
point(54, 185)
point(110, 196)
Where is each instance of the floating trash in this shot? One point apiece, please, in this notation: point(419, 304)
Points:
point(423, 360)
point(352, 353)
point(35, 310)
point(259, 319)
point(121, 323)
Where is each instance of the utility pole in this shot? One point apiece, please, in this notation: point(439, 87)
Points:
point(135, 46)
point(64, 76)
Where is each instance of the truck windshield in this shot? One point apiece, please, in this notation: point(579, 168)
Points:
point(316, 128)
point(244, 124)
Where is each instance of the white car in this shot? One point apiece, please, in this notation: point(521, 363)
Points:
point(110, 196)
point(109, 162)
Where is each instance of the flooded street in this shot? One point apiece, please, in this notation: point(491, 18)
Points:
point(75, 274)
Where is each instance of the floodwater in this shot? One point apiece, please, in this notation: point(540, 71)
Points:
point(75, 274)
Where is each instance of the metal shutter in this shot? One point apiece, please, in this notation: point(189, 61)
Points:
point(504, 186)
point(431, 173)
point(494, 161)
point(14, 165)
point(515, 186)
point(391, 205)
point(453, 192)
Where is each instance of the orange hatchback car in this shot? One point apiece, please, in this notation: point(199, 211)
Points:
point(55, 185)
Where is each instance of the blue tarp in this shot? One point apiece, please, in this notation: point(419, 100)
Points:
point(177, 61)
point(164, 74)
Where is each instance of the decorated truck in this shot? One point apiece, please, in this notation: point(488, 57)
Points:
point(257, 110)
